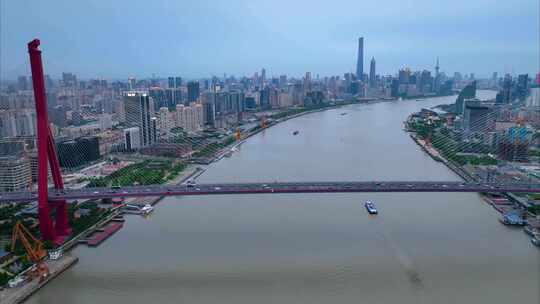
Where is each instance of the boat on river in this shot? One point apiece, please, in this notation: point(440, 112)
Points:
point(370, 207)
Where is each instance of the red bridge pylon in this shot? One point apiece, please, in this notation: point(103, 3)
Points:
point(46, 155)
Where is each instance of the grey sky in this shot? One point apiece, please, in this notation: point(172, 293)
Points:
point(115, 39)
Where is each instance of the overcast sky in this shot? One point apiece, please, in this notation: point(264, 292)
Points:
point(200, 38)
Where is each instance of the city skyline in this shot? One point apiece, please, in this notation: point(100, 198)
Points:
point(209, 42)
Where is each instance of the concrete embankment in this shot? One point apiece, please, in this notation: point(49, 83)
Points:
point(438, 157)
point(466, 176)
point(21, 293)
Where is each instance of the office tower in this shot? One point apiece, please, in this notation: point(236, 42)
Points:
point(177, 82)
point(477, 116)
point(171, 82)
point(263, 77)
point(404, 76)
point(139, 111)
point(372, 80)
point(360, 62)
point(193, 91)
point(468, 92)
point(77, 152)
point(282, 81)
point(131, 83)
point(307, 82)
point(69, 79)
point(132, 138)
point(522, 86)
point(437, 80)
point(209, 108)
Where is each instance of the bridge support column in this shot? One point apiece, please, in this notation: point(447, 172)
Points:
point(46, 154)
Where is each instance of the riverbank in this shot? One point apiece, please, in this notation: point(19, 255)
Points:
point(504, 204)
point(224, 151)
point(19, 294)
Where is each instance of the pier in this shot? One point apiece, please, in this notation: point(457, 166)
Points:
point(19, 294)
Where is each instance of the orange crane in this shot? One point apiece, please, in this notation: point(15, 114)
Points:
point(33, 247)
point(238, 134)
point(263, 122)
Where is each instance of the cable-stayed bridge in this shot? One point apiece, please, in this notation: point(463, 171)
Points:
point(144, 179)
point(273, 187)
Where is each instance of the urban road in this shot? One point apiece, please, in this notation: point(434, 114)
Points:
point(271, 187)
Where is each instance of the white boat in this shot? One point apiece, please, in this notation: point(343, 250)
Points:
point(147, 209)
point(536, 240)
point(370, 207)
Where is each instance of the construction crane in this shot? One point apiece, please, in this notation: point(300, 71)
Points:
point(34, 250)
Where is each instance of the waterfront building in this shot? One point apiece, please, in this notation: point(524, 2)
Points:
point(477, 117)
point(468, 92)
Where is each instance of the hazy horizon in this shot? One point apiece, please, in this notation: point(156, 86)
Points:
point(114, 40)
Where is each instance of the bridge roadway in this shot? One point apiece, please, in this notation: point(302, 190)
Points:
point(273, 187)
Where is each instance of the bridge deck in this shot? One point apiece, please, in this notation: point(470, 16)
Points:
point(274, 187)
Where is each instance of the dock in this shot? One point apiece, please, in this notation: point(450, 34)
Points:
point(21, 293)
point(102, 234)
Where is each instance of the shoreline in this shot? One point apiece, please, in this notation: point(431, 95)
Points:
point(21, 293)
point(221, 153)
point(510, 201)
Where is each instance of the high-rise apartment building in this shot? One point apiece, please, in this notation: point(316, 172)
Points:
point(15, 173)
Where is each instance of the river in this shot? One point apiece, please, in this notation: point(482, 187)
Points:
point(316, 248)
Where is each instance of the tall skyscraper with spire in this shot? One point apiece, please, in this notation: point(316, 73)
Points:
point(437, 80)
point(360, 62)
point(372, 76)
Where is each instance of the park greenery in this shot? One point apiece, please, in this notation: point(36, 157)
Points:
point(142, 173)
point(4, 278)
point(93, 215)
point(535, 209)
point(210, 149)
point(451, 149)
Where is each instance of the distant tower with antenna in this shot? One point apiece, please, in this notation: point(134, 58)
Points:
point(437, 67)
point(437, 80)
